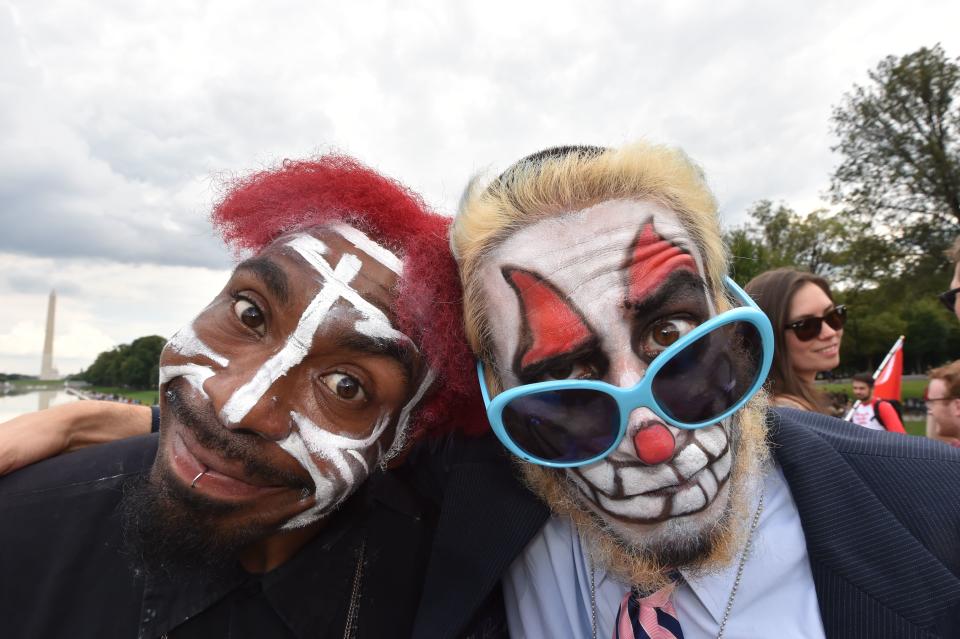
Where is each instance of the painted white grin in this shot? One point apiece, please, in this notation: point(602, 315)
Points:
point(688, 496)
point(686, 484)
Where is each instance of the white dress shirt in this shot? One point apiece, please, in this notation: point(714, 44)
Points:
point(547, 588)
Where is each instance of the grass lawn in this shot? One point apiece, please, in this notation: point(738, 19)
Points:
point(146, 397)
point(910, 388)
point(915, 427)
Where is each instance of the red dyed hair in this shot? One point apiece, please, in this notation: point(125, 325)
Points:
point(334, 188)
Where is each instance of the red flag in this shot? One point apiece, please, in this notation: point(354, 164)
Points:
point(889, 377)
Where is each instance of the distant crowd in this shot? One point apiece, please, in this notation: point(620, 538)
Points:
point(112, 397)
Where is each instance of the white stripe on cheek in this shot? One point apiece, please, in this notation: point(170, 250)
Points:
point(319, 439)
point(195, 374)
point(400, 436)
point(297, 448)
point(368, 246)
point(295, 349)
point(374, 322)
point(186, 343)
point(359, 457)
point(308, 441)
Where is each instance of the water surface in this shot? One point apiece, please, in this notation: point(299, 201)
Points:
point(13, 405)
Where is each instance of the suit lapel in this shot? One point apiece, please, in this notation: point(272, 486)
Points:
point(873, 577)
point(486, 520)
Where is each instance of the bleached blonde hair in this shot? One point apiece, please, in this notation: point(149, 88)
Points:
point(565, 179)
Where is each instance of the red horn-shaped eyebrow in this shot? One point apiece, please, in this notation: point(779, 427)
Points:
point(551, 326)
point(652, 259)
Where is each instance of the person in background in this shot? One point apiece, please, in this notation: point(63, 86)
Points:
point(807, 326)
point(873, 412)
point(943, 401)
point(949, 300)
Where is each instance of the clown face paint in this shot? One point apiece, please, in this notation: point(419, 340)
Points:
point(293, 382)
point(598, 294)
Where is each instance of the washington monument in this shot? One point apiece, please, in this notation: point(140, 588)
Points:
point(47, 371)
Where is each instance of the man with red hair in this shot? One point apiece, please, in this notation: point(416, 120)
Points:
point(260, 508)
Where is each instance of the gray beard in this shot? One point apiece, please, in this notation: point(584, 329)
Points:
point(645, 559)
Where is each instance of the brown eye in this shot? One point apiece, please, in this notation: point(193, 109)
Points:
point(345, 386)
point(560, 372)
point(248, 313)
point(572, 370)
point(663, 334)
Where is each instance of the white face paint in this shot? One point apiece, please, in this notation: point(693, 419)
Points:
point(298, 343)
point(374, 322)
point(339, 452)
point(186, 342)
point(586, 294)
point(371, 248)
point(195, 374)
point(294, 396)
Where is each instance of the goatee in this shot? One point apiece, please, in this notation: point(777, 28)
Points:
point(168, 527)
point(647, 563)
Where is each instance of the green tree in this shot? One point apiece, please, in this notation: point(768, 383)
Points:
point(132, 365)
point(899, 142)
point(776, 235)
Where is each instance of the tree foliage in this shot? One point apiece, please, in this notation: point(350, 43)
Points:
point(135, 365)
point(898, 191)
point(776, 235)
point(899, 142)
point(883, 302)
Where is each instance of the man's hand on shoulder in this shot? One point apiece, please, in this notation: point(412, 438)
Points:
point(35, 436)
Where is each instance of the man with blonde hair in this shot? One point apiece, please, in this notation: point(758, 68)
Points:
point(621, 365)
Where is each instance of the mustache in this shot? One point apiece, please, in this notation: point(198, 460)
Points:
point(243, 447)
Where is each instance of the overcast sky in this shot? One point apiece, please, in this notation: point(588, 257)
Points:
point(119, 119)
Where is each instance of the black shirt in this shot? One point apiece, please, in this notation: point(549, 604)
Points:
point(64, 571)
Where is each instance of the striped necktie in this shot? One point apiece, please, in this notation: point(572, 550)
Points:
point(650, 617)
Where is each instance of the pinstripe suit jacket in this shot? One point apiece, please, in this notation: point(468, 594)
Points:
point(880, 512)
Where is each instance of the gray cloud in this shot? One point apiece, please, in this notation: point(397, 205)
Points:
point(114, 131)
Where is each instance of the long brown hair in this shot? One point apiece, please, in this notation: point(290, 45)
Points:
point(773, 291)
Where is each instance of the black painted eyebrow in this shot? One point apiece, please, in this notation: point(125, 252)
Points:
point(677, 285)
point(403, 353)
point(271, 274)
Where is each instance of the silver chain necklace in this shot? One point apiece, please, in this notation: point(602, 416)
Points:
point(733, 591)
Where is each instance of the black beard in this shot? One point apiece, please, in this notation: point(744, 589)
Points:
point(168, 527)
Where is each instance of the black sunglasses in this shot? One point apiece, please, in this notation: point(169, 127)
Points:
point(809, 327)
point(949, 299)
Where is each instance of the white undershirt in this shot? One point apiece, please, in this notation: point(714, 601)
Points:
point(547, 588)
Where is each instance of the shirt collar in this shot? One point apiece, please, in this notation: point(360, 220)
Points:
point(713, 590)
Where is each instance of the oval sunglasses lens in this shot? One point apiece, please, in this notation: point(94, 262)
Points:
point(563, 426)
point(710, 375)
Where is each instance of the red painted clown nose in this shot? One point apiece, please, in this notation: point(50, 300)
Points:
point(654, 444)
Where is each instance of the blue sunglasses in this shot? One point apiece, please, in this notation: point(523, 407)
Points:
point(702, 379)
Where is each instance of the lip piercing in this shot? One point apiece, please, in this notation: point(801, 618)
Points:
point(193, 484)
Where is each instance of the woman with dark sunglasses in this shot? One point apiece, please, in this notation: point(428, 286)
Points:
point(808, 328)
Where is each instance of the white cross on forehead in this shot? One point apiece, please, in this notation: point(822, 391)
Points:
point(337, 285)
